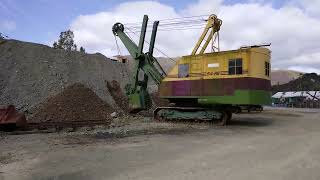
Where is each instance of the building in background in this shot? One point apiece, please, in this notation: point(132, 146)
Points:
point(300, 99)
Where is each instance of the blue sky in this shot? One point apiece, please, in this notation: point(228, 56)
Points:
point(42, 20)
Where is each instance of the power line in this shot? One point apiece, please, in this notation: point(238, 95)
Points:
point(168, 28)
point(170, 19)
point(172, 29)
point(174, 24)
point(154, 47)
point(187, 17)
point(171, 24)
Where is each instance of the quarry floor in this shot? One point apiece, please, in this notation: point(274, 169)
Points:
point(275, 144)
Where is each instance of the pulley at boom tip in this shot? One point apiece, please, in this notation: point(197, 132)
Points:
point(117, 27)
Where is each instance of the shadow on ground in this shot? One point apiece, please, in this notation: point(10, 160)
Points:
point(250, 122)
point(80, 175)
point(123, 134)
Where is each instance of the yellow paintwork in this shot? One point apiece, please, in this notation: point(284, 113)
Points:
point(214, 24)
point(253, 64)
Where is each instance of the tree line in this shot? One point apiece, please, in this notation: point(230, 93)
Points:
point(66, 42)
point(2, 36)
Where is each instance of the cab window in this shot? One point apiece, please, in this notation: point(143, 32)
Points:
point(267, 68)
point(235, 66)
point(183, 70)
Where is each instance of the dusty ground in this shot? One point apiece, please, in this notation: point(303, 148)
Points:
point(277, 144)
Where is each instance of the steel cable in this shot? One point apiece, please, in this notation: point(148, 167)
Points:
point(154, 47)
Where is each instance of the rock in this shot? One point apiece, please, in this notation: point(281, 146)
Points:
point(114, 114)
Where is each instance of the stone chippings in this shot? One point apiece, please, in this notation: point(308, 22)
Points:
point(75, 103)
point(32, 75)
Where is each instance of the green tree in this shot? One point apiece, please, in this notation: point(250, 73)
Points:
point(55, 45)
point(82, 50)
point(66, 41)
point(1, 36)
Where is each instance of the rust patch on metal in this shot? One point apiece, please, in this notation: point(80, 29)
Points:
point(9, 116)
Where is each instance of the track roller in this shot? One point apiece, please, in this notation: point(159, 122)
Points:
point(217, 117)
point(222, 121)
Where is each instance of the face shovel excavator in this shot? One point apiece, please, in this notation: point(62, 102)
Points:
point(139, 98)
point(203, 86)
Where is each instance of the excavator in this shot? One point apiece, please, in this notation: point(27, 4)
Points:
point(201, 86)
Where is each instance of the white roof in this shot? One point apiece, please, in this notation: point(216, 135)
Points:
point(306, 94)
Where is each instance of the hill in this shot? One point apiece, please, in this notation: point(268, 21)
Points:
point(31, 73)
point(279, 77)
point(307, 82)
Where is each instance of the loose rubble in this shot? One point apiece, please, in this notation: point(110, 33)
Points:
point(76, 102)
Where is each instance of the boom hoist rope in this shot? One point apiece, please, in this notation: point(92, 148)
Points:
point(184, 23)
point(178, 26)
point(172, 21)
point(120, 56)
point(154, 47)
point(211, 28)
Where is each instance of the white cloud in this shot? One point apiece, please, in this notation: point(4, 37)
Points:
point(7, 25)
point(293, 29)
point(310, 6)
point(304, 69)
point(203, 7)
point(94, 31)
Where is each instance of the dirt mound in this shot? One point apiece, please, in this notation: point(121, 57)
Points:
point(157, 101)
point(76, 102)
point(118, 96)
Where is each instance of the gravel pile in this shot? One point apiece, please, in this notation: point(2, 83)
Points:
point(31, 73)
point(76, 102)
point(118, 95)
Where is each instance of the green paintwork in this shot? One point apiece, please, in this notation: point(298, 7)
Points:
point(240, 97)
point(137, 89)
point(136, 101)
point(139, 101)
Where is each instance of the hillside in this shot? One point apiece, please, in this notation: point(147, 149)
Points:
point(307, 82)
point(279, 77)
point(31, 73)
